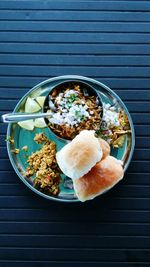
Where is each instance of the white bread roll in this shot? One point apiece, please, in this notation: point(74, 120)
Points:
point(80, 155)
point(100, 178)
point(105, 147)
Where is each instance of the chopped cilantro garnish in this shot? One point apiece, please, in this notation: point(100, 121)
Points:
point(77, 113)
point(82, 118)
point(72, 98)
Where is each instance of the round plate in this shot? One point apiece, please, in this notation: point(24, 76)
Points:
point(24, 137)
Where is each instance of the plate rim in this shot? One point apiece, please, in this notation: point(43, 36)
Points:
point(57, 78)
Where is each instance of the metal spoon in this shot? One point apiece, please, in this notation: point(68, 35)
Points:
point(16, 117)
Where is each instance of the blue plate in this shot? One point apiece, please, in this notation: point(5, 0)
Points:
point(23, 137)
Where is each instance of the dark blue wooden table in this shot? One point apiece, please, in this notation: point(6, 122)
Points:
point(108, 41)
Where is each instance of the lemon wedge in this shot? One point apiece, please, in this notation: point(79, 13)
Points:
point(40, 100)
point(28, 124)
point(39, 123)
point(31, 105)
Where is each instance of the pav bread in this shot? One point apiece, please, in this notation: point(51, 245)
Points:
point(105, 147)
point(100, 178)
point(80, 155)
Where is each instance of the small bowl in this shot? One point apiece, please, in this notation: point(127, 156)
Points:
point(85, 87)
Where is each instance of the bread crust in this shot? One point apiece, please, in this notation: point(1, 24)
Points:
point(79, 156)
point(100, 178)
point(105, 147)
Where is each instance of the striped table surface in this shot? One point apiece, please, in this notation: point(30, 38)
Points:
point(106, 40)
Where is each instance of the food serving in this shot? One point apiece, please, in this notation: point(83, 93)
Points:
point(114, 127)
point(103, 176)
point(92, 169)
point(80, 155)
point(73, 108)
point(83, 163)
point(43, 165)
point(86, 160)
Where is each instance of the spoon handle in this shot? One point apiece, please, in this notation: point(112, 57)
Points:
point(16, 117)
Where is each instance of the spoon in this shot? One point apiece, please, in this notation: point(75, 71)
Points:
point(16, 117)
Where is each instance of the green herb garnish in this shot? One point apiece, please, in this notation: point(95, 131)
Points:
point(82, 118)
point(72, 98)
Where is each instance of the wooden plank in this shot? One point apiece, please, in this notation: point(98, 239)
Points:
point(54, 26)
point(143, 142)
point(107, 200)
point(3, 128)
point(4, 152)
point(138, 166)
point(8, 104)
point(75, 5)
point(141, 154)
point(17, 189)
point(131, 191)
point(76, 15)
point(86, 242)
point(53, 228)
point(113, 83)
point(33, 71)
point(142, 130)
point(137, 178)
point(53, 37)
point(13, 93)
point(127, 83)
point(5, 164)
point(31, 263)
point(8, 177)
point(135, 106)
point(144, 119)
point(28, 263)
point(138, 95)
point(74, 60)
point(60, 48)
point(2, 140)
point(70, 254)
